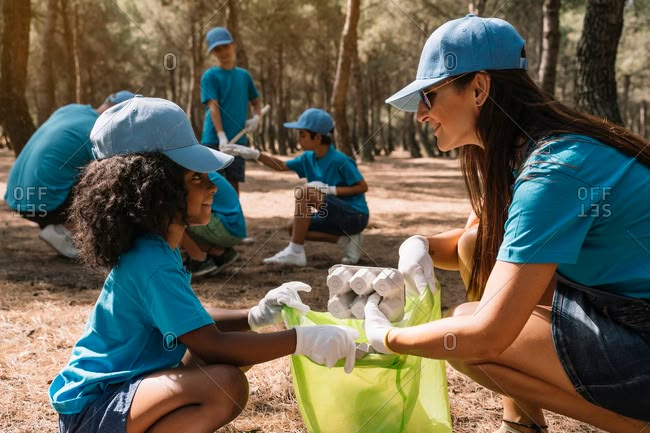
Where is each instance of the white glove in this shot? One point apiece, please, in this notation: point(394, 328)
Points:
point(239, 150)
point(269, 309)
point(376, 325)
point(322, 187)
point(416, 265)
point(223, 138)
point(326, 344)
point(252, 124)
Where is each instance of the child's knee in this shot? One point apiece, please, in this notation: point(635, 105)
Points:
point(229, 394)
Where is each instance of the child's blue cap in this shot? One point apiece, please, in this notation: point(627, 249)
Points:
point(218, 36)
point(467, 44)
point(314, 120)
point(141, 125)
point(121, 96)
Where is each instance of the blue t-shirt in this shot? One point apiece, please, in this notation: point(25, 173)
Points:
point(146, 302)
point(233, 89)
point(335, 168)
point(226, 206)
point(585, 206)
point(49, 164)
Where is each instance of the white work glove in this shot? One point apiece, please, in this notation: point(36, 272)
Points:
point(242, 151)
point(269, 309)
point(322, 187)
point(376, 325)
point(326, 344)
point(223, 139)
point(252, 124)
point(416, 265)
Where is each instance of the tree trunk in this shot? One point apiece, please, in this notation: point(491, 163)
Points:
point(232, 23)
point(409, 136)
point(195, 110)
point(625, 100)
point(550, 45)
point(14, 113)
point(366, 143)
point(477, 7)
point(339, 94)
point(46, 97)
point(280, 98)
point(643, 115)
point(596, 81)
point(69, 60)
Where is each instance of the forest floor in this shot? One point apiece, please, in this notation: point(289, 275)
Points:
point(45, 299)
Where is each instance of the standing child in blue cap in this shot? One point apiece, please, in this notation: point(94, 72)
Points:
point(152, 358)
point(335, 190)
point(41, 179)
point(563, 209)
point(226, 92)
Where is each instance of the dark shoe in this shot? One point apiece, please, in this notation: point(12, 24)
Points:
point(199, 268)
point(224, 260)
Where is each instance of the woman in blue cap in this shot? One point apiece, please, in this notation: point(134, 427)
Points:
point(151, 357)
point(558, 194)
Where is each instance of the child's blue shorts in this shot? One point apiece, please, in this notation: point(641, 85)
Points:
point(603, 342)
point(107, 414)
point(337, 217)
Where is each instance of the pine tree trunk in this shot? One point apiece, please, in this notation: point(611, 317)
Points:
point(232, 23)
point(68, 61)
point(596, 80)
point(346, 52)
point(477, 7)
point(46, 98)
point(550, 45)
point(14, 113)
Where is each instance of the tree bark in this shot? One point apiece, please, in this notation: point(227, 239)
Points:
point(47, 97)
point(477, 7)
point(365, 142)
point(550, 45)
point(339, 94)
point(232, 23)
point(596, 80)
point(14, 113)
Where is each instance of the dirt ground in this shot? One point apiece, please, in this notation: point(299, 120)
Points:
point(45, 299)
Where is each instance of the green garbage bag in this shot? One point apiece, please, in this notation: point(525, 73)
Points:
point(384, 393)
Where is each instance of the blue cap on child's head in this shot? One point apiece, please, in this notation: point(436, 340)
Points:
point(141, 125)
point(121, 96)
point(315, 120)
point(218, 36)
point(467, 44)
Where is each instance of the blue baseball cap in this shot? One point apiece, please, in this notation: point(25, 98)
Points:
point(218, 36)
point(141, 125)
point(314, 120)
point(467, 44)
point(121, 96)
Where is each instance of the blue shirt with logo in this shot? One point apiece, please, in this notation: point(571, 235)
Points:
point(145, 304)
point(233, 89)
point(585, 206)
point(51, 161)
point(226, 206)
point(335, 169)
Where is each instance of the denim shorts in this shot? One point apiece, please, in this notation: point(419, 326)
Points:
point(236, 171)
point(107, 414)
point(603, 342)
point(337, 217)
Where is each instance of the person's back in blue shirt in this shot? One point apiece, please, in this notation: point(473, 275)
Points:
point(226, 206)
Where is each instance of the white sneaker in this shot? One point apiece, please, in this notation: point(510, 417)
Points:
point(286, 257)
point(352, 249)
point(248, 240)
point(58, 237)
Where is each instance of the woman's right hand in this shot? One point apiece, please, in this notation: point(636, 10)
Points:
point(326, 344)
point(416, 265)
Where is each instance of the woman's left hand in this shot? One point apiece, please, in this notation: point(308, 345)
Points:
point(269, 309)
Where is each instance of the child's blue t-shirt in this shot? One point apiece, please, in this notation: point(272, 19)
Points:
point(233, 89)
point(226, 206)
point(49, 164)
point(146, 302)
point(335, 169)
point(585, 206)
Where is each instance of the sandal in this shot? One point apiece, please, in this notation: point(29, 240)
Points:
point(534, 427)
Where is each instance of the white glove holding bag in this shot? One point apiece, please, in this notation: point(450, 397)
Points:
point(223, 139)
point(269, 309)
point(376, 325)
point(322, 187)
point(416, 265)
point(245, 152)
point(252, 124)
point(326, 344)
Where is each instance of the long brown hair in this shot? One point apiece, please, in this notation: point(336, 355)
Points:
point(516, 111)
